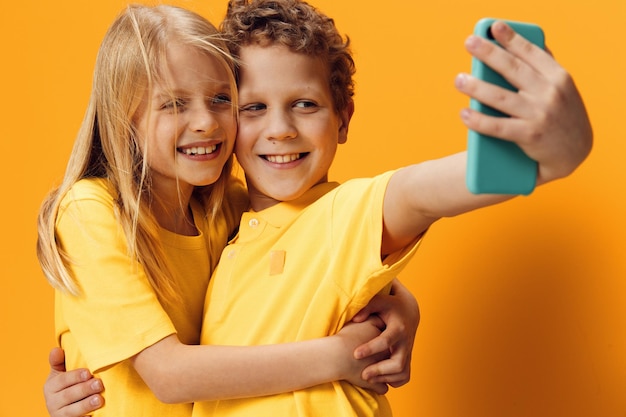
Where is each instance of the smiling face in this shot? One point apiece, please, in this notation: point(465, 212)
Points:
point(288, 128)
point(186, 123)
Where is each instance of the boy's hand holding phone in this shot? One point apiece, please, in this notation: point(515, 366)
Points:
point(547, 118)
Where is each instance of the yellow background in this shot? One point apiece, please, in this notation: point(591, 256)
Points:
point(523, 304)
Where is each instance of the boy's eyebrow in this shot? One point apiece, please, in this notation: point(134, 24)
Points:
point(301, 90)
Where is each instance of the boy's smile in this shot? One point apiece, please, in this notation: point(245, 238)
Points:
point(288, 129)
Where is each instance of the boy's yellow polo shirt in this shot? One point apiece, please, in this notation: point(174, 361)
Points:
point(296, 271)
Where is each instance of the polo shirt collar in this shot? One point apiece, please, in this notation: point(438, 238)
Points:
point(283, 212)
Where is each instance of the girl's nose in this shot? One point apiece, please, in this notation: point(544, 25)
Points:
point(203, 121)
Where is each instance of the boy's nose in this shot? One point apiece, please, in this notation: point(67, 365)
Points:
point(280, 127)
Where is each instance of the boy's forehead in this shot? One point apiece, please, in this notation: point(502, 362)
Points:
point(266, 46)
point(249, 54)
point(276, 69)
point(257, 55)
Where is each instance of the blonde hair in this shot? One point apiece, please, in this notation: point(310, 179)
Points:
point(127, 66)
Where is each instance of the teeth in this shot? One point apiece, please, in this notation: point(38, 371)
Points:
point(200, 150)
point(283, 159)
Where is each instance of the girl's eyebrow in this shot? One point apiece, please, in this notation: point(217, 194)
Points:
point(221, 85)
point(160, 92)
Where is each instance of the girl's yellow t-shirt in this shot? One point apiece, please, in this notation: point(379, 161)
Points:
point(118, 314)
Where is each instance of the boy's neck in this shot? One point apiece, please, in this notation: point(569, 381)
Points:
point(260, 201)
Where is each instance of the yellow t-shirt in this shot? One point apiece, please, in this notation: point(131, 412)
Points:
point(118, 313)
point(296, 271)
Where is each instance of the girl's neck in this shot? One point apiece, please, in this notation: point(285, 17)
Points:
point(177, 220)
point(173, 213)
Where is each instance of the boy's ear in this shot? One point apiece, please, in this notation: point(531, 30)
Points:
point(344, 118)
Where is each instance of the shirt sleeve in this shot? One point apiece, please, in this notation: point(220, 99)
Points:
point(117, 313)
point(357, 232)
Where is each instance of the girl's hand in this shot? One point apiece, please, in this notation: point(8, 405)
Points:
point(351, 369)
point(548, 119)
point(400, 313)
point(70, 394)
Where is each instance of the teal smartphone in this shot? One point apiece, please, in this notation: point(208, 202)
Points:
point(496, 166)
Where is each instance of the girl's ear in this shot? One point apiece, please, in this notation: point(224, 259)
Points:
point(344, 118)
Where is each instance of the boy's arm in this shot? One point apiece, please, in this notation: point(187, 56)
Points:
point(547, 120)
point(73, 393)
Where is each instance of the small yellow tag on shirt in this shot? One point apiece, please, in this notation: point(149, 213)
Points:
point(277, 262)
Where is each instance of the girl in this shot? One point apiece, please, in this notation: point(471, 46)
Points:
point(131, 236)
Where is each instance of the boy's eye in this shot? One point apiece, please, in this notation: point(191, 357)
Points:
point(306, 105)
point(254, 107)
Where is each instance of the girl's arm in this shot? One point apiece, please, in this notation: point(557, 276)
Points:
point(76, 393)
point(182, 373)
point(547, 120)
point(400, 313)
point(220, 372)
point(179, 373)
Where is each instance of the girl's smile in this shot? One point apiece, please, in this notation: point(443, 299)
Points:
point(186, 123)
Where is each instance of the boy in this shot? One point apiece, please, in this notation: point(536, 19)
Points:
point(324, 249)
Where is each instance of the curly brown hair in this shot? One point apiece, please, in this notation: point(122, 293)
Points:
point(300, 27)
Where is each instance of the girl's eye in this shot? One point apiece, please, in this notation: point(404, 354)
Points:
point(176, 104)
point(221, 99)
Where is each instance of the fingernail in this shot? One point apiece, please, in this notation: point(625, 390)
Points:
point(460, 80)
point(96, 385)
point(95, 400)
point(84, 375)
point(465, 114)
point(499, 26)
point(472, 42)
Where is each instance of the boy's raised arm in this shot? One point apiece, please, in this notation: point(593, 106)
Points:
point(547, 120)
